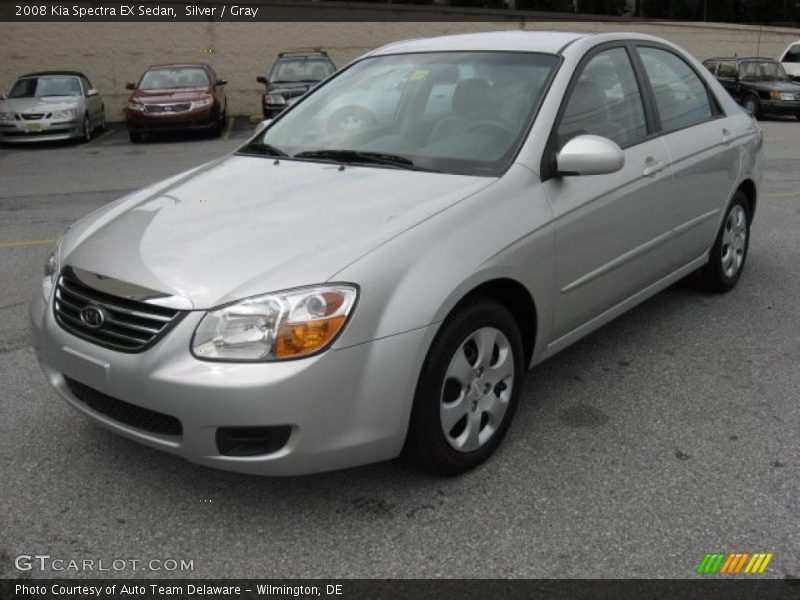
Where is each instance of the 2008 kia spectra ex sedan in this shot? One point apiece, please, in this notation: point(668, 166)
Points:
point(330, 296)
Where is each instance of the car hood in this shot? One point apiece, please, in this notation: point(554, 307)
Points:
point(179, 95)
point(38, 105)
point(779, 86)
point(248, 225)
point(291, 89)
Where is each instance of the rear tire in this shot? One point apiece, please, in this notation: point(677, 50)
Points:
point(136, 138)
point(468, 390)
point(729, 253)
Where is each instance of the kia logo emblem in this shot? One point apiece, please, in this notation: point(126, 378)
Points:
point(93, 316)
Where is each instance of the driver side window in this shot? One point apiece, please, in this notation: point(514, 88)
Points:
point(605, 101)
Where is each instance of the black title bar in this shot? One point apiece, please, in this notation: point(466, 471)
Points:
point(382, 589)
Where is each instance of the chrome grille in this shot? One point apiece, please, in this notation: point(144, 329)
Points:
point(124, 325)
point(33, 116)
point(167, 108)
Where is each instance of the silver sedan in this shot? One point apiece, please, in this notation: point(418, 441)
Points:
point(50, 106)
point(331, 296)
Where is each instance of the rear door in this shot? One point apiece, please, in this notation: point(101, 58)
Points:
point(609, 228)
point(728, 76)
point(700, 141)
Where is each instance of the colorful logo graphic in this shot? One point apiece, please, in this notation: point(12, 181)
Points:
point(734, 563)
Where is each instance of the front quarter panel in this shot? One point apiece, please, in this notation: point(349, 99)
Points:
point(416, 279)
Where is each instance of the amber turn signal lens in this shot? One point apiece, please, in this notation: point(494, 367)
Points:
point(300, 339)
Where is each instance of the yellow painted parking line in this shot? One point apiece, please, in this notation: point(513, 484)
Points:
point(18, 243)
point(782, 194)
point(105, 134)
point(228, 129)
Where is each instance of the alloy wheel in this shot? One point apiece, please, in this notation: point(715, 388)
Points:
point(734, 240)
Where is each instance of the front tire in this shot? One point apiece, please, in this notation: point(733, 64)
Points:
point(468, 390)
point(86, 136)
point(135, 138)
point(752, 104)
point(728, 255)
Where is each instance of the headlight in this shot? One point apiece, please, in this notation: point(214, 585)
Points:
point(137, 106)
point(64, 115)
point(51, 269)
point(787, 96)
point(6, 116)
point(275, 326)
point(274, 99)
point(201, 103)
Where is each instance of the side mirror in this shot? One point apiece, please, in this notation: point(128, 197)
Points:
point(222, 82)
point(262, 126)
point(262, 80)
point(589, 155)
point(91, 93)
point(130, 86)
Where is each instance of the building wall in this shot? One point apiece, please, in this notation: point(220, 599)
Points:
point(112, 54)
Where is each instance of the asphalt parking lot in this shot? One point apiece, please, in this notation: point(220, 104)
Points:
point(667, 434)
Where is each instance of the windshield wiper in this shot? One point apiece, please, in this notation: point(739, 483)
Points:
point(263, 149)
point(364, 158)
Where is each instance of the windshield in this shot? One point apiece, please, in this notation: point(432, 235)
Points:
point(762, 71)
point(174, 78)
point(301, 69)
point(454, 112)
point(39, 87)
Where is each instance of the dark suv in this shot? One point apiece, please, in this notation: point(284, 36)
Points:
point(759, 84)
point(293, 74)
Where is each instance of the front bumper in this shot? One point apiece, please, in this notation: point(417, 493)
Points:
point(199, 119)
point(781, 107)
point(43, 130)
point(345, 407)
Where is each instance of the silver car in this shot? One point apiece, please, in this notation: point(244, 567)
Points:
point(327, 297)
point(49, 106)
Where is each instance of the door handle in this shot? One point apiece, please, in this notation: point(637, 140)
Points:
point(727, 136)
point(652, 166)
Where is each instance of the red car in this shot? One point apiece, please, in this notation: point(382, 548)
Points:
point(176, 97)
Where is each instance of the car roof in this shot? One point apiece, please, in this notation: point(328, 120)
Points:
point(513, 41)
point(304, 53)
point(46, 73)
point(178, 65)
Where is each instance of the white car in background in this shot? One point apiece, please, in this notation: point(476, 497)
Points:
point(790, 58)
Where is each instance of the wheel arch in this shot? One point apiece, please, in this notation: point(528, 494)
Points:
point(748, 188)
point(516, 298)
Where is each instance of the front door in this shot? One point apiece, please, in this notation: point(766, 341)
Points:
point(610, 229)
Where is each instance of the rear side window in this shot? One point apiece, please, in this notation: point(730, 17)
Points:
point(681, 97)
point(792, 55)
point(605, 101)
point(727, 69)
